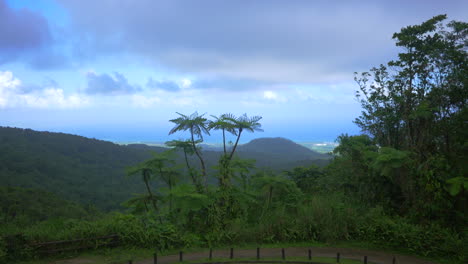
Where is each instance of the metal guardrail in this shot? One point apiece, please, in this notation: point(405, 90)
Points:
point(258, 259)
point(60, 246)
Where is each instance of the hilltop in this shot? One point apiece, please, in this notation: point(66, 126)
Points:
point(281, 146)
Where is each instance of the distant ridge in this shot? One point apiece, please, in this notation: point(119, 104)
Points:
point(281, 146)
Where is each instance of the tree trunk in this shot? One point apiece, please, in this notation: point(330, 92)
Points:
point(194, 179)
point(270, 196)
point(170, 194)
point(150, 193)
point(235, 145)
point(224, 142)
point(202, 162)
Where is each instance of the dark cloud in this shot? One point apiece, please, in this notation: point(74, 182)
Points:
point(286, 41)
point(169, 86)
point(47, 58)
point(21, 32)
point(105, 84)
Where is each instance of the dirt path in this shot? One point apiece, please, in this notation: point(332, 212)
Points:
point(348, 253)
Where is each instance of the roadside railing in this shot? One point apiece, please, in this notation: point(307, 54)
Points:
point(53, 247)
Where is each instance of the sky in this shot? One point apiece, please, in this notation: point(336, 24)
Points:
point(120, 69)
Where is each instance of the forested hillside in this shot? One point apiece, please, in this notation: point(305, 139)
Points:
point(23, 206)
point(91, 171)
point(281, 153)
point(281, 146)
point(88, 171)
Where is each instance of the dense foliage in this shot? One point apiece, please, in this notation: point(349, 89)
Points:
point(84, 170)
point(415, 112)
point(401, 185)
point(92, 172)
point(23, 207)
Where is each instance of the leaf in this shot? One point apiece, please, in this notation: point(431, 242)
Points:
point(456, 185)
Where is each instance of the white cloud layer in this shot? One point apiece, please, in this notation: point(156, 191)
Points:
point(12, 96)
point(145, 101)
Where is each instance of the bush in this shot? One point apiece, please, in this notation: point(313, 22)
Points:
point(399, 233)
point(3, 250)
point(318, 218)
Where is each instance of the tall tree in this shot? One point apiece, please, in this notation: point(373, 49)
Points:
point(197, 125)
point(159, 166)
point(244, 123)
point(241, 168)
point(236, 126)
point(187, 148)
point(146, 171)
point(224, 123)
point(417, 104)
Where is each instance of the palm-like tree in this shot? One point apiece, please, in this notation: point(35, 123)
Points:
point(244, 123)
point(159, 163)
point(186, 147)
point(224, 123)
point(197, 125)
point(241, 168)
point(146, 171)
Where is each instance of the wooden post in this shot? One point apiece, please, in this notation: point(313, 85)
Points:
point(155, 258)
point(338, 257)
point(310, 254)
point(283, 254)
point(258, 253)
point(365, 259)
point(181, 256)
point(231, 255)
point(211, 253)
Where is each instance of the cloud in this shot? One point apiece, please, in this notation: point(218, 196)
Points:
point(270, 95)
point(274, 97)
point(21, 32)
point(340, 93)
point(106, 84)
point(218, 84)
point(145, 101)
point(229, 84)
point(169, 86)
point(48, 58)
point(186, 83)
point(279, 41)
point(14, 94)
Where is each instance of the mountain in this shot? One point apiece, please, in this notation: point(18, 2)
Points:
point(91, 171)
point(283, 147)
point(280, 154)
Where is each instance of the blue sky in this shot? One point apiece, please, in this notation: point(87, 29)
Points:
point(119, 70)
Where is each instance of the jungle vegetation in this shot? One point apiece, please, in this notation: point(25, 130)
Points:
point(399, 185)
point(93, 172)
